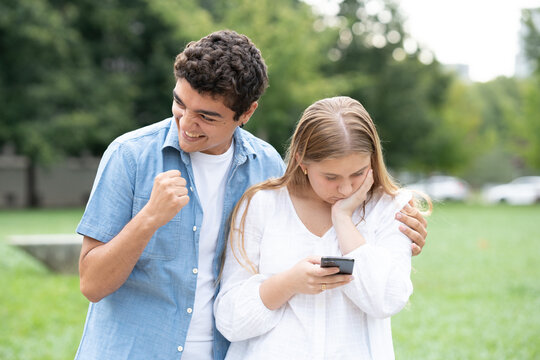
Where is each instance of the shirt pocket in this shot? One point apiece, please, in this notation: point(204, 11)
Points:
point(165, 243)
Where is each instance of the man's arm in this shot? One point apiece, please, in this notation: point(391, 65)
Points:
point(415, 226)
point(104, 267)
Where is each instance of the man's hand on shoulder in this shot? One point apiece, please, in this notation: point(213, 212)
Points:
point(415, 226)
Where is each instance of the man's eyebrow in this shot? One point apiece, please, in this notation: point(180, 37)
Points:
point(205, 112)
point(176, 97)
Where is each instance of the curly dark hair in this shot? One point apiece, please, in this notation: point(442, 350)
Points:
point(227, 65)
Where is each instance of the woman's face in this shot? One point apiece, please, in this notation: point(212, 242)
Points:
point(335, 179)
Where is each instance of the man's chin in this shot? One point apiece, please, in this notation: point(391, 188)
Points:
point(190, 147)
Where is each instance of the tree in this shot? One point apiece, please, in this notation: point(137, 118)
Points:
point(35, 44)
point(400, 84)
point(530, 18)
point(457, 140)
point(527, 128)
point(294, 53)
point(76, 74)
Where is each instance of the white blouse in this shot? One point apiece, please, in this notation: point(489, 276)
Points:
point(348, 322)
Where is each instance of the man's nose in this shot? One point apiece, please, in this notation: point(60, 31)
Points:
point(187, 116)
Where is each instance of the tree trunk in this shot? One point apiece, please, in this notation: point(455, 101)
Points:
point(31, 190)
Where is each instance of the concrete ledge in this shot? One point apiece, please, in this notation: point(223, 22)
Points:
point(59, 252)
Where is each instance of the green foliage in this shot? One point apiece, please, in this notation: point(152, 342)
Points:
point(493, 165)
point(456, 140)
point(404, 96)
point(76, 74)
point(531, 19)
point(501, 101)
point(283, 31)
point(525, 128)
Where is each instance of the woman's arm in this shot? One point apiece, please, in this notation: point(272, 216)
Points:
point(382, 284)
point(306, 277)
point(250, 305)
point(239, 311)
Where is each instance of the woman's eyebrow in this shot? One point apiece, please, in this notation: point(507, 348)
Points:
point(362, 169)
point(332, 174)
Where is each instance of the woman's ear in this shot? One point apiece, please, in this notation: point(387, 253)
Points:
point(302, 166)
point(297, 158)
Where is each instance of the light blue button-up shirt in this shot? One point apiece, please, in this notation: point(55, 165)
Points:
point(149, 315)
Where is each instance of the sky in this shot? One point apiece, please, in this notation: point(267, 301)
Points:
point(482, 34)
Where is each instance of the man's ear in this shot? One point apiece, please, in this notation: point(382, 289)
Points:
point(244, 118)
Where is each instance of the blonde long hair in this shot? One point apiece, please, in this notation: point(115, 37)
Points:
point(328, 129)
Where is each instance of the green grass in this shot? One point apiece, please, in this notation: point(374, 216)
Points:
point(41, 314)
point(477, 289)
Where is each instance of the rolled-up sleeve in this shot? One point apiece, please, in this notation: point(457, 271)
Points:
point(239, 311)
point(110, 204)
point(382, 284)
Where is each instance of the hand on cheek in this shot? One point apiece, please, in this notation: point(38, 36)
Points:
point(348, 205)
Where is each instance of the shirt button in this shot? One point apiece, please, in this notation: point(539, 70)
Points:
point(191, 188)
point(194, 228)
point(195, 270)
point(180, 348)
point(189, 310)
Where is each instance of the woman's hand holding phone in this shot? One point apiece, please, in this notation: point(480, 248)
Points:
point(308, 277)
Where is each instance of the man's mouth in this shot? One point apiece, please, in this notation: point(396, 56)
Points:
point(192, 135)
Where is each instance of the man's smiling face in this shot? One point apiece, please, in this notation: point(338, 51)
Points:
point(204, 123)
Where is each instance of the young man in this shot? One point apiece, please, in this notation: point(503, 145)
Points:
point(155, 224)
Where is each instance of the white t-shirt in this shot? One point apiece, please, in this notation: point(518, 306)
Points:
point(210, 176)
point(348, 322)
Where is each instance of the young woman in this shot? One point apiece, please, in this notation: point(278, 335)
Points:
point(336, 198)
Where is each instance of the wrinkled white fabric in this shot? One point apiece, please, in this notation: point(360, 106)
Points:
point(349, 322)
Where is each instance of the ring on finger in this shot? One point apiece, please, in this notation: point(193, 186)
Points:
point(323, 287)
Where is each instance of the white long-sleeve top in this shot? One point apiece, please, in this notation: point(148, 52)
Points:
point(348, 322)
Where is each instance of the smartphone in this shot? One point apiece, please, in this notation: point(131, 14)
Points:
point(344, 264)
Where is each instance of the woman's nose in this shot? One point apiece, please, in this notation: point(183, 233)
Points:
point(345, 188)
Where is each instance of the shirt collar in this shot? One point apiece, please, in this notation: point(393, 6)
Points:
point(242, 147)
point(172, 137)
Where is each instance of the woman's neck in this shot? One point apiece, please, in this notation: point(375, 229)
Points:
point(308, 195)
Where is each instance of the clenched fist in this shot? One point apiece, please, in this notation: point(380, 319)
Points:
point(169, 196)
